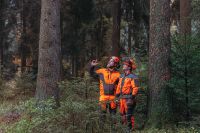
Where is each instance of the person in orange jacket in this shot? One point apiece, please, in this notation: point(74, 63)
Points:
point(126, 91)
point(109, 78)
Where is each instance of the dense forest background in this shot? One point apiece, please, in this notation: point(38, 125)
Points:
point(46, 46)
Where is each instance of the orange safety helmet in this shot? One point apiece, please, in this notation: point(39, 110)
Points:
point(115, 58)
point(130, 63)
point(116, 61)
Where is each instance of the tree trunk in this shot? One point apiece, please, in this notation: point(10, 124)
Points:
point(136, 25)
point(185, 18)
point(73, 65)
point(49, 51)
point(116, 12)
point(34, 26)
point(1, 51)
point(159, 55)
point(35, 61)
point(1, 35)
point(76, 66)
point(129, 39)
point(1, 54)
point(136, 36)
point(145, 18)
point(23, 43)
point(101, 38)
point(62, 36)
point(185, 32)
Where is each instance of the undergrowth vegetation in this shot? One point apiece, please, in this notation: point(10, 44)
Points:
point(79, 112)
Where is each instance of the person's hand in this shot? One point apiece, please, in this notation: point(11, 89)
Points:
point(94, 63)
point(117, 101)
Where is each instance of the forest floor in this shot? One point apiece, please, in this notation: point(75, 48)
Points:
point(11, 96)
point(17, 115)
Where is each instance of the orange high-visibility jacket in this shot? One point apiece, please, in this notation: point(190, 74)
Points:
point(108, 83)
point(128, 86)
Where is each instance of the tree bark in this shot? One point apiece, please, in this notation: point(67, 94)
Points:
point(74, 65)
point(159, 56)
point(49, 51)
point(136, 24)
point(129, 39)
point(185, 32)
point(1, 35)
point(23, 49)
point(145, 18)
point(116, 12)
point(185, 18)
point(1, 54)
point(34, 26)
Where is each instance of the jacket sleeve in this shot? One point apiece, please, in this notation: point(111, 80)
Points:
point(135, 85)
point(94, 71)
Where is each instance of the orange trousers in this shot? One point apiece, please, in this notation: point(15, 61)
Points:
point(126, 110)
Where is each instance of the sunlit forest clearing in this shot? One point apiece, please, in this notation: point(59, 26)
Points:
point(99, 66)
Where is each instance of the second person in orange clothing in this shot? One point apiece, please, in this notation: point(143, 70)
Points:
point(126, 91)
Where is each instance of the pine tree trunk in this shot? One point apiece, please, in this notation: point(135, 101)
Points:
point(129, 39)
point(76, 66)
point(35, 61)
point(136, 36)
point(185, 28)
point(1, 47)
point(62, 36)
point(73, 65)
point(185, 18)
point(101, 38)
point(1, 54)
point(23, 43)
point(116, 12)
point(145, 18)
point(49, 51)
point(159, 55)
point(136, 25)
point(1, 35)
point(34, 26)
